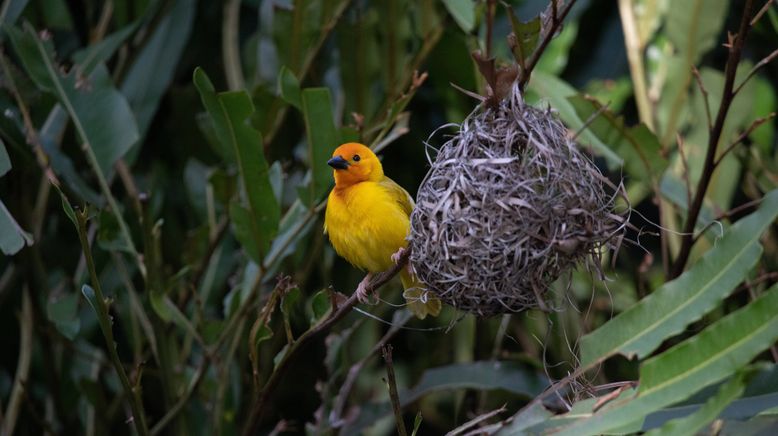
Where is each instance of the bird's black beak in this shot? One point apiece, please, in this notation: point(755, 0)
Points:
point(338, 163)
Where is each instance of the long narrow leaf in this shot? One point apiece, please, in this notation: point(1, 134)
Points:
point(713, 355)
point(666, 312)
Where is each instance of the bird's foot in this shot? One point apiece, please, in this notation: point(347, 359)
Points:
point(363, 294)
point(398, 255)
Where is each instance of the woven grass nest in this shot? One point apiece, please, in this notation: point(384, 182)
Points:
point(509, 204)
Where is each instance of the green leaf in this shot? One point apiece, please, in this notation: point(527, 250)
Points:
point(416, 424)
point(526, 36)
point(91, 298)
point(264, 333)
point(243, 227)
point(11, 10)
point(94, 55)
point(109, 235)
point(669, 309)
point(728, 392)
point(713, 355)
point(64, 314)
point(289, 87)
point(323, 138)
point(5, 161)
point(12, 236)
point(69, 212)
point(289, 301)
point(321, 305)
point(463, 12)
point(507, 376)
point(636, 145)
point(100, 113)
point(557, 92)
point(229, 113)
point(693, 25)
point(150, 76)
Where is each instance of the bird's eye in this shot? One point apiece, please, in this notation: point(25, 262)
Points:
point(355, 158)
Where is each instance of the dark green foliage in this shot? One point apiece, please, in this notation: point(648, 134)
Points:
point(163, 179)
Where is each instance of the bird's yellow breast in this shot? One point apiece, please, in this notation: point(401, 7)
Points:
point(366, 225)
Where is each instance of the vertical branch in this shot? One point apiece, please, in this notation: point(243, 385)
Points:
point(635, 57)
point(490, 8)
point(101, 308)
point(735, 45)
point(231, 46)
point(386, 351)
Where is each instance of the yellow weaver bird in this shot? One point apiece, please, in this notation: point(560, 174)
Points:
point(368, 219)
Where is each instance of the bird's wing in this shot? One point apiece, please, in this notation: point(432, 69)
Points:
point(398, 194)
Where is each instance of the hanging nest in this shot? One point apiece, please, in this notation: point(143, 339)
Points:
point(509, 204)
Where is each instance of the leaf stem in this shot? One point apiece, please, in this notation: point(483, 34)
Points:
point(105, 321)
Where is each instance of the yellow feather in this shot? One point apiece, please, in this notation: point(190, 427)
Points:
point(368, 219)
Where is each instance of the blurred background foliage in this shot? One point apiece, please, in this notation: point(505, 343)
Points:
point(183, 146)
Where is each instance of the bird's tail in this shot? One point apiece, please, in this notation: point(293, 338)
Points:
point(421, 301)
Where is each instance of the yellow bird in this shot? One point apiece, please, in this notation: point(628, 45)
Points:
point(368, 219)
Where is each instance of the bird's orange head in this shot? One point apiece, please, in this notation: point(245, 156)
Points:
point(355, 163)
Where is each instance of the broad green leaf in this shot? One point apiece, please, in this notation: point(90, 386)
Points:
point(289, 301)
point(90, 57)
point(556, 54)
point(534, 415)
point(229, 113)
point(150, 76)
point(709, 357)
point(321, 306)
point(526, 36)
point(244, 229)
point(100, 113)
point(11, 10)
point(169, 312)
point(557, 92)
point(669, 309)
point(463, 12)
point(506, 376)
point(692, 28)
point(323, 138)
point(289, 87)
point(637, 145)
point(63, 312)
point(109, 235)
point(12, 236)
point(728, 392)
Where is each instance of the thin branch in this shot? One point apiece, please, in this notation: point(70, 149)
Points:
point(761, 12)
point(728, 214)
point(742, 137)
point(685, 164)
point(766, 60)
point(386, 351)
point(184, 399)
point(490, 9)
point(336, 416)
point(705, 98)
point(554, 26)
point(306, 338)
point(735, 51)
point(101, 308)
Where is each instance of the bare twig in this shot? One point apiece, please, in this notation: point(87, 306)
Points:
point(742, 137)
point(386, 351)
point(761, 12)
point(336, 416)
point(231, 45)
point(556, 22)
point(704, 92)
point(735, 51)
point(766, 60)
point(338, 313)
point(685, 164)
point(100, 304)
